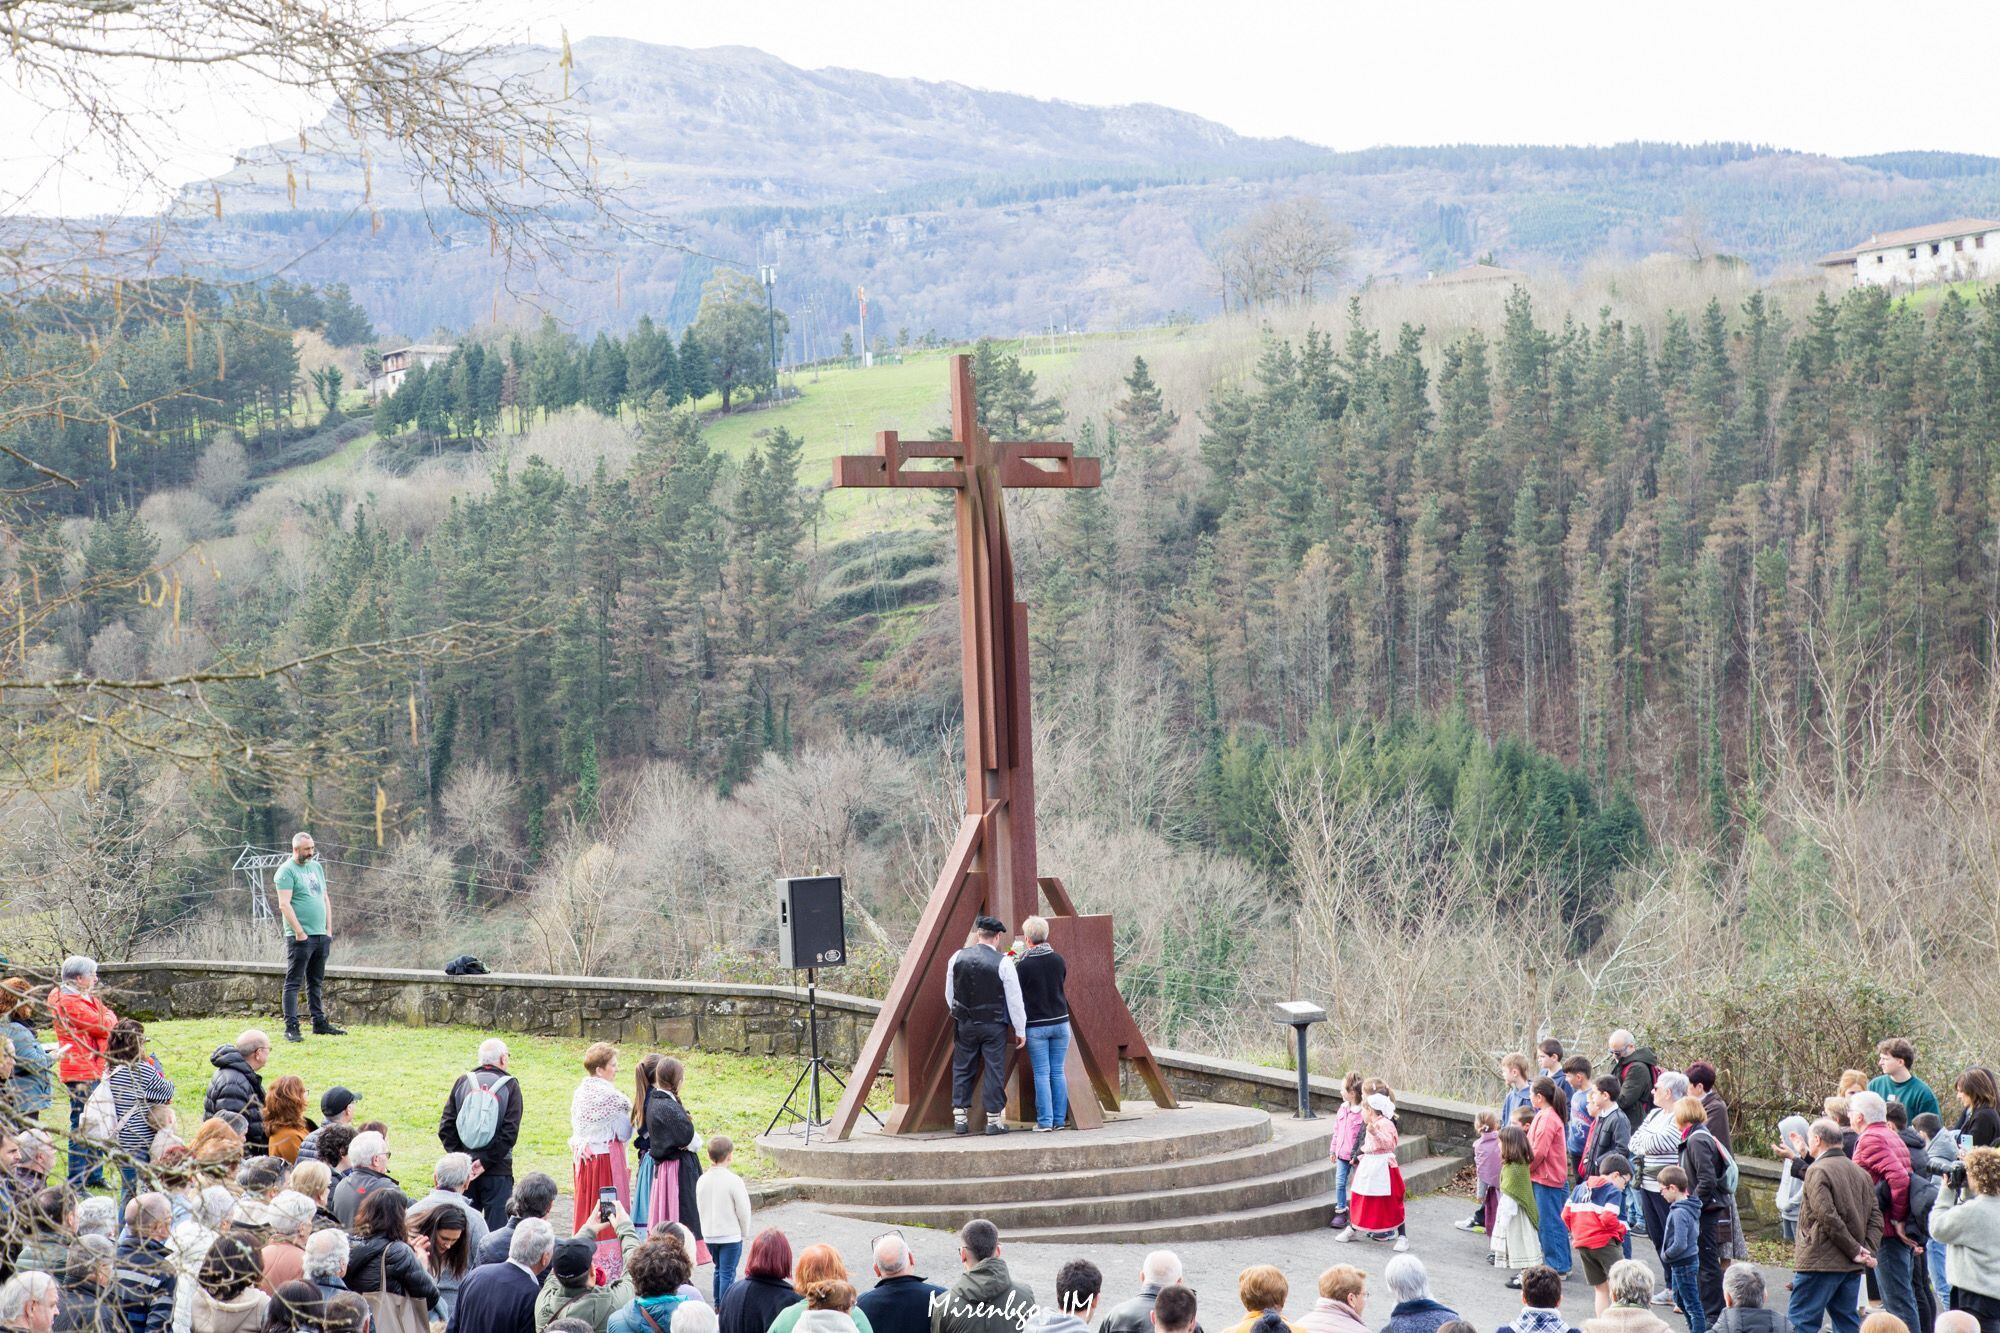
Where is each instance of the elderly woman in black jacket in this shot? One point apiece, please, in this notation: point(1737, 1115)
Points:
point(380, 1259)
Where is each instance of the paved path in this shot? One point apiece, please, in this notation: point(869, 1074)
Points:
point(1460, 1276)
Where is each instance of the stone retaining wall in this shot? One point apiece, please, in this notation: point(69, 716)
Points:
point(712, 1016)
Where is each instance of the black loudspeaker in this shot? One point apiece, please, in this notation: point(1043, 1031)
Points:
point(812, 924)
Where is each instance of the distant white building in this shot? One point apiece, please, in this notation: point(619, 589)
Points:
point(397, 364)
point(1954, 251)
point(1475, 274)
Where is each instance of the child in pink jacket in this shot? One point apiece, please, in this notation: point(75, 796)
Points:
point(1346, 1144)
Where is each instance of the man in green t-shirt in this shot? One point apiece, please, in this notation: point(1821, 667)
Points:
point(1897, 1084)
point(308, 918)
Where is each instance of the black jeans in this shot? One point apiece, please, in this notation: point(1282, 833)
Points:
point(973, 1046)
point(1709, 1260)
point(489, 1194)
point(305, 961)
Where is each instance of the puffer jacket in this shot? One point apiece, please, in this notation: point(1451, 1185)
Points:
point(239, 1088)
point(29, 1087)
point(1881, 1152)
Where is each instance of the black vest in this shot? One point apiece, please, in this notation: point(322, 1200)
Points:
point(1042, 973)
point(975, 986)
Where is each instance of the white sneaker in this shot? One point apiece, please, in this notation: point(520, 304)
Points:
point(1045, 1129)
point(1664, 1296)
point(1467, 1224)
point(1344, 1236)
point(1402, 1244)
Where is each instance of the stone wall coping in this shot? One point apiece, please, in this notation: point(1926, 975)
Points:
point(418, 976)
point(1443, 1108)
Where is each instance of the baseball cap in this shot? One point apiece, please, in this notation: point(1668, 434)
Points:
point(336, 1099)
point(573, 1260)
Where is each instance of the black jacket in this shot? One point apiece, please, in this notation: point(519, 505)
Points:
point(86, 1309)
point(147, 1279)
point(669, 1131)
point(1635, 1082)
point(496, 1298)
point(753, 1302)
point(407, 1274)
point(900, 1304)
point(239, 1088)
point(1743, 1319)
point(498, 1155)
point(1701, 1158)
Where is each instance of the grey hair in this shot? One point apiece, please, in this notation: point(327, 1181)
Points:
point(1962, 1321)
point(1035, 930)
point(1631, 1283)
point(76, 965)
point(155, 1207)
point(454, 1171)
point(251, 1041)
point(1674, 1082)
point(692, 1317)
point(1407, 1278)
point(326, 1253)
point(533, 1240)
point(366, 1147)
point(1620, 1040)
point(892, 1255)
point(492, 1051)
point(1163, 1267)
point(301, 836)
point(20, 1289)
point(292, 1213)
point(88, 1254)
point(1870, 1106)
point(97, 1216)
point(1744, 1286)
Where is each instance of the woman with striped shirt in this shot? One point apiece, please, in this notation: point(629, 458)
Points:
point(136, 1086)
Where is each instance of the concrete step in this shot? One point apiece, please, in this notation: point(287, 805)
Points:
point(1276, 1219)
point(1430, 1174)
point(1146, 1137)
point(1314, 1180)
point(977, 1191)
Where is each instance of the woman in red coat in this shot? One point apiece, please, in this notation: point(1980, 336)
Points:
point(83, 1025)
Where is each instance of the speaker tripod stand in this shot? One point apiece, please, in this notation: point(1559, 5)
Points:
point(814, 1115)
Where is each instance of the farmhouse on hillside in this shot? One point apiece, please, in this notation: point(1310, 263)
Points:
point(1954, 251)
point(399, 362)
point(1474, 274)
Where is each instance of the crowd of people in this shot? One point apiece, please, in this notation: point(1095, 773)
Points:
point(1882, 1201)
point(263, 1217)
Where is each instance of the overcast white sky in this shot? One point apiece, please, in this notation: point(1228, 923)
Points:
point(1833, 77)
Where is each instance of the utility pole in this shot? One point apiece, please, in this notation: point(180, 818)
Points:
point(769, 273)
point(867, 357)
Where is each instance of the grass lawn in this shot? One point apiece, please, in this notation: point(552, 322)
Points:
point(404, 1075)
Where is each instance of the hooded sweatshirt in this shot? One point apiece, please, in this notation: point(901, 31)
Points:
point(239, 1088)
point(984, 1299)
point(1792, 1180)
point(1598, 1219)
point(1635, 1073)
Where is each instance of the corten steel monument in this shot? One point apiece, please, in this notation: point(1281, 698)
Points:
point(991, 866)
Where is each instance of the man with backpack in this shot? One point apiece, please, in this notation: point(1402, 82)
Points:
point(481, 1119)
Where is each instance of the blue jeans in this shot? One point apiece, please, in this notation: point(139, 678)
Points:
point(1895, 1273)
point(1549, 1201)
point(726, 1254)
point(1819, 1296)
point(1340, 1173)
point(1048, 1048)
point(86, 1164)
point(1685, 1279)
point(1934, 1259)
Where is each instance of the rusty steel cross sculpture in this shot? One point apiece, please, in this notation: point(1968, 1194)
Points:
point(991, 866)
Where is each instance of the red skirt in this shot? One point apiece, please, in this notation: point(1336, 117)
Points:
point(1378, 1212)
point(596, 1172)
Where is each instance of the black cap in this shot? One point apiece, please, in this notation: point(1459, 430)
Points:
point(990, 925)
point(335, 1100)
point(573, 1259)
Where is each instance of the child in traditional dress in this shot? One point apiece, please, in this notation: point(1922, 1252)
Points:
point(1346, 1146)
point(673, 1144)
point(643, 1167)
point(1517, 1243)
point(1375, 1189)
point(1486, 1164)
